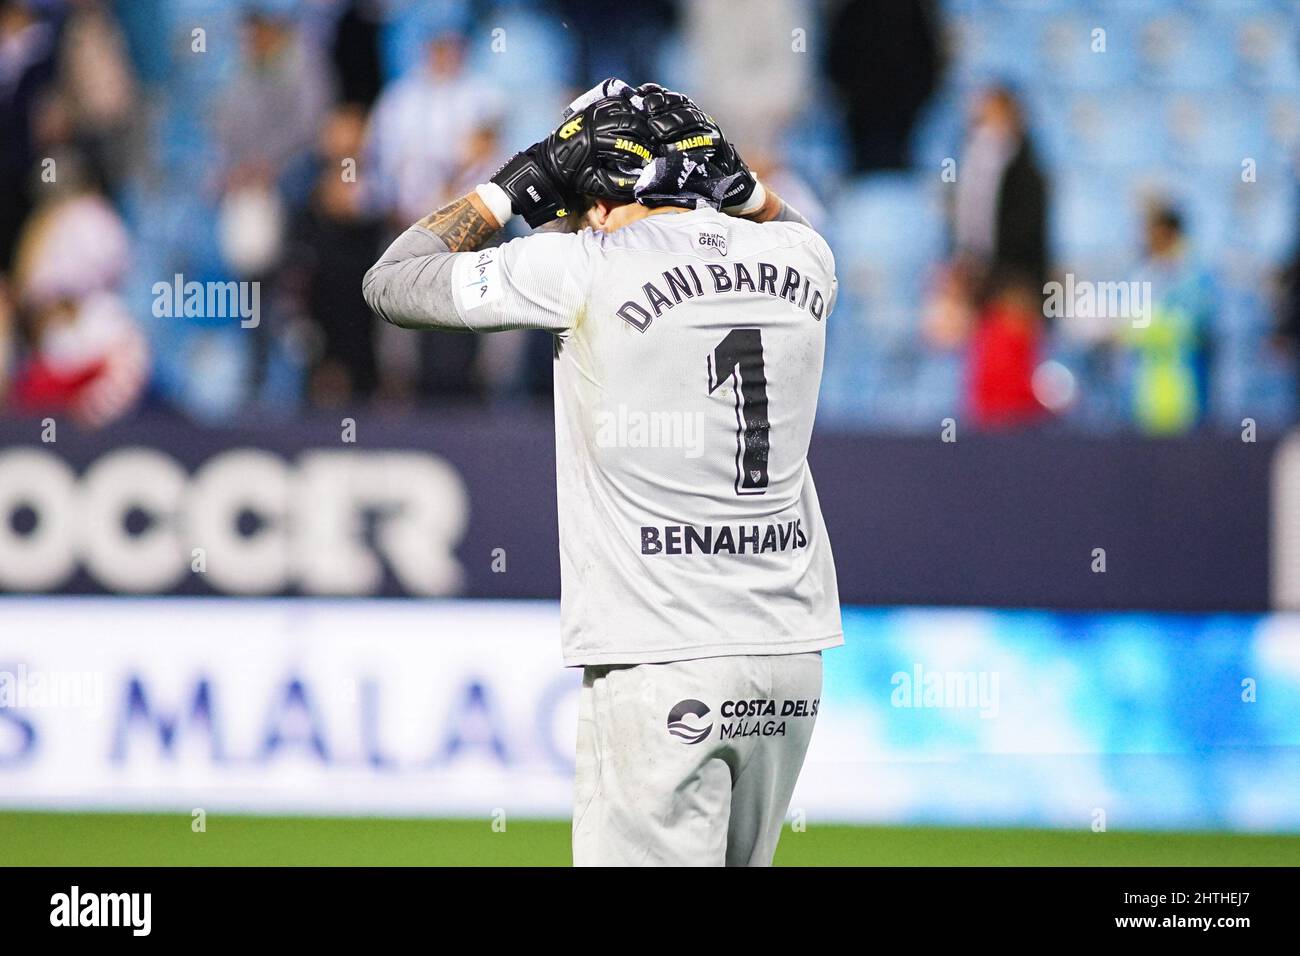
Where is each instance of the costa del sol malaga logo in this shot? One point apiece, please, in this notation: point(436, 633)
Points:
point(691, 730)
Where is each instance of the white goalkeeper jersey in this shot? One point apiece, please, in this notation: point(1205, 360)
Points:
point(689, 357)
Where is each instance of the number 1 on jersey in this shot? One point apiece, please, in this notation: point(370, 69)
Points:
point(739, 358)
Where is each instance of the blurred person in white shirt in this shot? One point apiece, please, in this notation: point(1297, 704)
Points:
point(725, 54)
point(433, 133)
point(269, 116)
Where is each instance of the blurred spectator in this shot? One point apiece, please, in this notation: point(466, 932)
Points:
point(990, 295)
point(433, 136)
point(1170, 351)
point(725, 61)
point(27, 64)
point(1004, 352)
point(97, 88)
point(86, 354)
point(1000, 218)
point(269, 119)
point(332, 244)
point(355, 52)
point(270, 114)
point(1287, 315)
point(433, 133)
point(883, 57)
point(67, 90)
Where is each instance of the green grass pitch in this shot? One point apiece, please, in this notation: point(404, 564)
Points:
point(112, 839)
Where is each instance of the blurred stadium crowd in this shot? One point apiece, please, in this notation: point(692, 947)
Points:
point(959, 156)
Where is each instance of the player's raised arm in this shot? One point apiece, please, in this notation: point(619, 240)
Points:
point(438, 275)
point(774, 209)
point(410, 285)
point(414, 283)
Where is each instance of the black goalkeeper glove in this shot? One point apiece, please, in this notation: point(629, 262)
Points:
point(534, 184)
point(598, 151)
point(681, 126)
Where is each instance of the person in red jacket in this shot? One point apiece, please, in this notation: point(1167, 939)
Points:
point(1002, 354)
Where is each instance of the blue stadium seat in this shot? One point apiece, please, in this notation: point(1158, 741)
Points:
point(994, 46)
point(1262, 218)
point(1179, 51)
point(1239, 315)
point(938, 132)
point(937, 387)
point(1279, 118)
point(1049, 126)
point(1093, 218)
point(675, 67)
point(1212, 129)
point(887, 237)
point(1205, 199)
point(1145, 7)
point(536, 55)
point(1232, 8)
point(896, 218)
point(817, 147)
point(1083, 50)
point(1266, 46)
point(1110, 130)
point(408, 27)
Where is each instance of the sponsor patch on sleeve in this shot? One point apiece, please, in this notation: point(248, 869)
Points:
point(480, 283)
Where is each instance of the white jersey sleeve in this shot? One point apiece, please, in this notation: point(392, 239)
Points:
point(537, 282)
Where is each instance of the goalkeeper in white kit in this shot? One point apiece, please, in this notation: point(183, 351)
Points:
point(698, 587)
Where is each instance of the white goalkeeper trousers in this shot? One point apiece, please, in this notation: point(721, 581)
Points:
point(691, 763)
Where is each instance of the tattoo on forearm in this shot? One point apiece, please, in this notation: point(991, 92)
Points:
point(464, 224)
